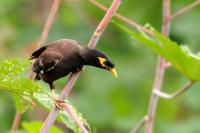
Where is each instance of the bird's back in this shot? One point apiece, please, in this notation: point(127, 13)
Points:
point(64, 47)
point(69, 55)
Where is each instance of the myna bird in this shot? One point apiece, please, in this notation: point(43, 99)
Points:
point(64, 56)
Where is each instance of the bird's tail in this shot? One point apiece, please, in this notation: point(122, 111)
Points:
point(37, 77)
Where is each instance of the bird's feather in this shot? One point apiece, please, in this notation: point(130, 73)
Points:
point(37, 53)
point(37, 77)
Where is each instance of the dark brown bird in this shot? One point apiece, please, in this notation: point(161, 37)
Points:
point(64, 56)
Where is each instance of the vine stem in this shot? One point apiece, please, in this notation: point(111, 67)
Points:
point(176, 93)
point(68, 109)
point(16, 122)
point(154, 98)
point(184, 10)
point(72, 78)
point(48, 23)
point(159, 71)
point(42, 39)
point(122, 18)
point(139, 125)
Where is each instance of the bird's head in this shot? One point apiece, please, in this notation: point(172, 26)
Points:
point(105, 63)
point(99, 59)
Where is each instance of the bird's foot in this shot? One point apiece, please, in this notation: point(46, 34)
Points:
point(58, 103)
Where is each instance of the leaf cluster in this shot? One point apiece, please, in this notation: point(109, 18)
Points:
point(26, 93)
point(180, 56)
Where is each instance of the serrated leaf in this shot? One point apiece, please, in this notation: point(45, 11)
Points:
point(35, 126)
point(13, 81)
point(44, 100)
point(181, 58)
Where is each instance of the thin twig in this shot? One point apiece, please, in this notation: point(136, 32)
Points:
point(184, 10)
point(16, 122)
point(161, 67)
point(92, 43)
point(139, 125)
point(42, 39)
point(154, 98)
point(122, 18)
point(68, 109)
point(160, 71)
point(175, 94)
point(48, 23)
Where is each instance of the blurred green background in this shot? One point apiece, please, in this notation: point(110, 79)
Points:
point(109, 104)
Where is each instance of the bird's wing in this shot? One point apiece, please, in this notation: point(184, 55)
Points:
point(51, 66)
point(37, 53)
point(47, 63)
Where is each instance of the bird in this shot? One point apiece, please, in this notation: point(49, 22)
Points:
point(61, 57)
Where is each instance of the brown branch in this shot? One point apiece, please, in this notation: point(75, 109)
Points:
point(122, 18)
point(92, 43)
point(73, 116)
point(160, 71)
point(175, 94)
point(48, 23)
point(184, 10)
point(156, 92)
point(16, 122)
point(42, 39)
point(154, 98)
point(139, 125)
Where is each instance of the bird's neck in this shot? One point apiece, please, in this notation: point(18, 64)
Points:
point(90, 57)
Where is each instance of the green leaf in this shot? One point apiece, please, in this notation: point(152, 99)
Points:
point(180, 57)
point(13, 81)
point(14, 67)
point(44, 100)
point(24, 91)
point(35, 126)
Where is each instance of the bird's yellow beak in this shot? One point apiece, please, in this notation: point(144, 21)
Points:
point(113, 71)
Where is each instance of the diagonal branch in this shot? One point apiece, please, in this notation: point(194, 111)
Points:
point(92, 43)
point(139, 125)
point(121, 17)
point(42, 39)
point(16, 122)
point(175, 94)
point(184, 10)
point(68, 109)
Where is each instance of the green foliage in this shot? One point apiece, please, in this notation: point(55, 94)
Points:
point(14, 67)
point(45, 101)
point(35, 126)
point(110, 105)
point(24, 91)
point(12, 80)
point(180, 57)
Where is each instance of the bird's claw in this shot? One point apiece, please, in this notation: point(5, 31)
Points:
point(59, 103)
